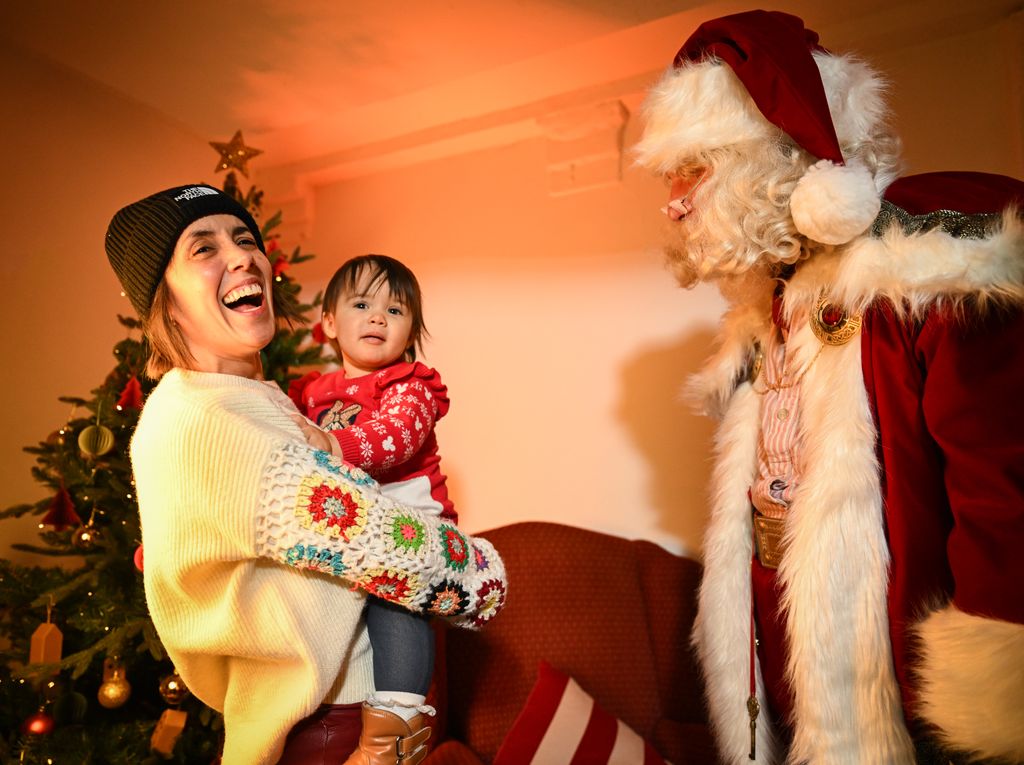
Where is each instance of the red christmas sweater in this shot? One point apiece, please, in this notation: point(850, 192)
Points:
point(384, 422)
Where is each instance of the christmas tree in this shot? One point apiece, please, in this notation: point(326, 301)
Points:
point(85, 678)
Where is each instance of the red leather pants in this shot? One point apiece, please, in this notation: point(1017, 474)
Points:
point(326, 737)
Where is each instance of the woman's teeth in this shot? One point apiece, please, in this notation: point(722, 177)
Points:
point(249, 294)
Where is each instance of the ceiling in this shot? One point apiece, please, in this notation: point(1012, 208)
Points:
point(321, 77)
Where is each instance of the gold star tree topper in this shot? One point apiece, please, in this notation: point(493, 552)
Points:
point(234, 154)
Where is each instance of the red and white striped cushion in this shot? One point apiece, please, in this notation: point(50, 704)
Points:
point(561, 725)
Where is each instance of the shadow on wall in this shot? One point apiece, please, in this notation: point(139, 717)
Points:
point(675, 440)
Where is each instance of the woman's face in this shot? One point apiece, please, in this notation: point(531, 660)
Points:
point(219, 282)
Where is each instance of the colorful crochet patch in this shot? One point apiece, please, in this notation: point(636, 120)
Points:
point(330, 508)
point(406, 534)
point(389, 584)
point(447, 599)
point(357, 475)
point(482, 564)
point(327, 461)
point(314, 558)
point(490, 599)
point(454, 547)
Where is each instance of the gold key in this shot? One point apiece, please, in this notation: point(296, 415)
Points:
point(753, 708)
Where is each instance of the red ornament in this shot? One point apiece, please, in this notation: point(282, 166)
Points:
point(138, 557)
point(131, 396)
point(298, 386)
point(318, 333)
point(39, 724)
point(61, 514)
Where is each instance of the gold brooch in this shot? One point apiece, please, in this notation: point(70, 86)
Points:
point(832, 325)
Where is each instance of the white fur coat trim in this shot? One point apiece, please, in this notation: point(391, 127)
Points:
point(721, 631)
point(847, 702)
point(916, 271)
point(972, 682)
point(835, 573)
point(911, 272)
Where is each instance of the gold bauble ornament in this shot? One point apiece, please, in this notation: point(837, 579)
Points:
point(173, 689)
point(114, 693)
point(87, 537)
point(115, 688)
point(96, 440)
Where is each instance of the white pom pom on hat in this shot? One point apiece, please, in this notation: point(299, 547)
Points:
point(772, 55)
point(833, 204)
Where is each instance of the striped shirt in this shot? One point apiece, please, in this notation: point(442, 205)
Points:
point(779, 443)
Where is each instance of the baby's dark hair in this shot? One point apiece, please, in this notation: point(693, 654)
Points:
point(382, 270)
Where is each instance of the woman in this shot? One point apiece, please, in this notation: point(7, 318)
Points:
point(254, 539)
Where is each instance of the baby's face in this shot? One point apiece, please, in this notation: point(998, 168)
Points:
point(372, 328)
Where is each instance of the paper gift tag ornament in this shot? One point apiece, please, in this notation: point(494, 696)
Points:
point(168, 728)
point(47, 642)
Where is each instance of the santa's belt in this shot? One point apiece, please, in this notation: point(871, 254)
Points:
point(768, 539)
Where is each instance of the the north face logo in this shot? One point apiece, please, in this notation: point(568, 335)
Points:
point(195, 191)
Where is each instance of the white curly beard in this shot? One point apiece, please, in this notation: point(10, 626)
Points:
point(740, 217)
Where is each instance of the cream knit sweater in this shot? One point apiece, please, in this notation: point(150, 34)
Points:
point(246, 531)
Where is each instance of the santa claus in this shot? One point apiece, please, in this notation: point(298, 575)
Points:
point(861, 600)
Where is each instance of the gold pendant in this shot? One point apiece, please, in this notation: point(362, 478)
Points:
point(832, 325)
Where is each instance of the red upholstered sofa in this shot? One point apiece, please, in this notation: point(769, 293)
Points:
point(613, 614)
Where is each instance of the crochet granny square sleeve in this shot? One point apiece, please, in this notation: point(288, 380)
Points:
point(321, 514)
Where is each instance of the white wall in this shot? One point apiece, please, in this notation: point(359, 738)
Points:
point(561, 336)
point(71, 153)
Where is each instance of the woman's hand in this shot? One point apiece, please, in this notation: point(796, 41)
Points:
point(318, 439)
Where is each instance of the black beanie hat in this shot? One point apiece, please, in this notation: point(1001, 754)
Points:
point(142, 236)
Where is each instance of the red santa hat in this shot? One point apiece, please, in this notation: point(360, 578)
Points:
point(775, 77)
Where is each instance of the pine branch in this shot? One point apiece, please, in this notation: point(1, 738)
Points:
point(129, 322)
point(272, 222)
point(50, 552)
point(152, 642)
point(73, 400)
point(111, 644)
point(17, 511)
point(58, 594)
